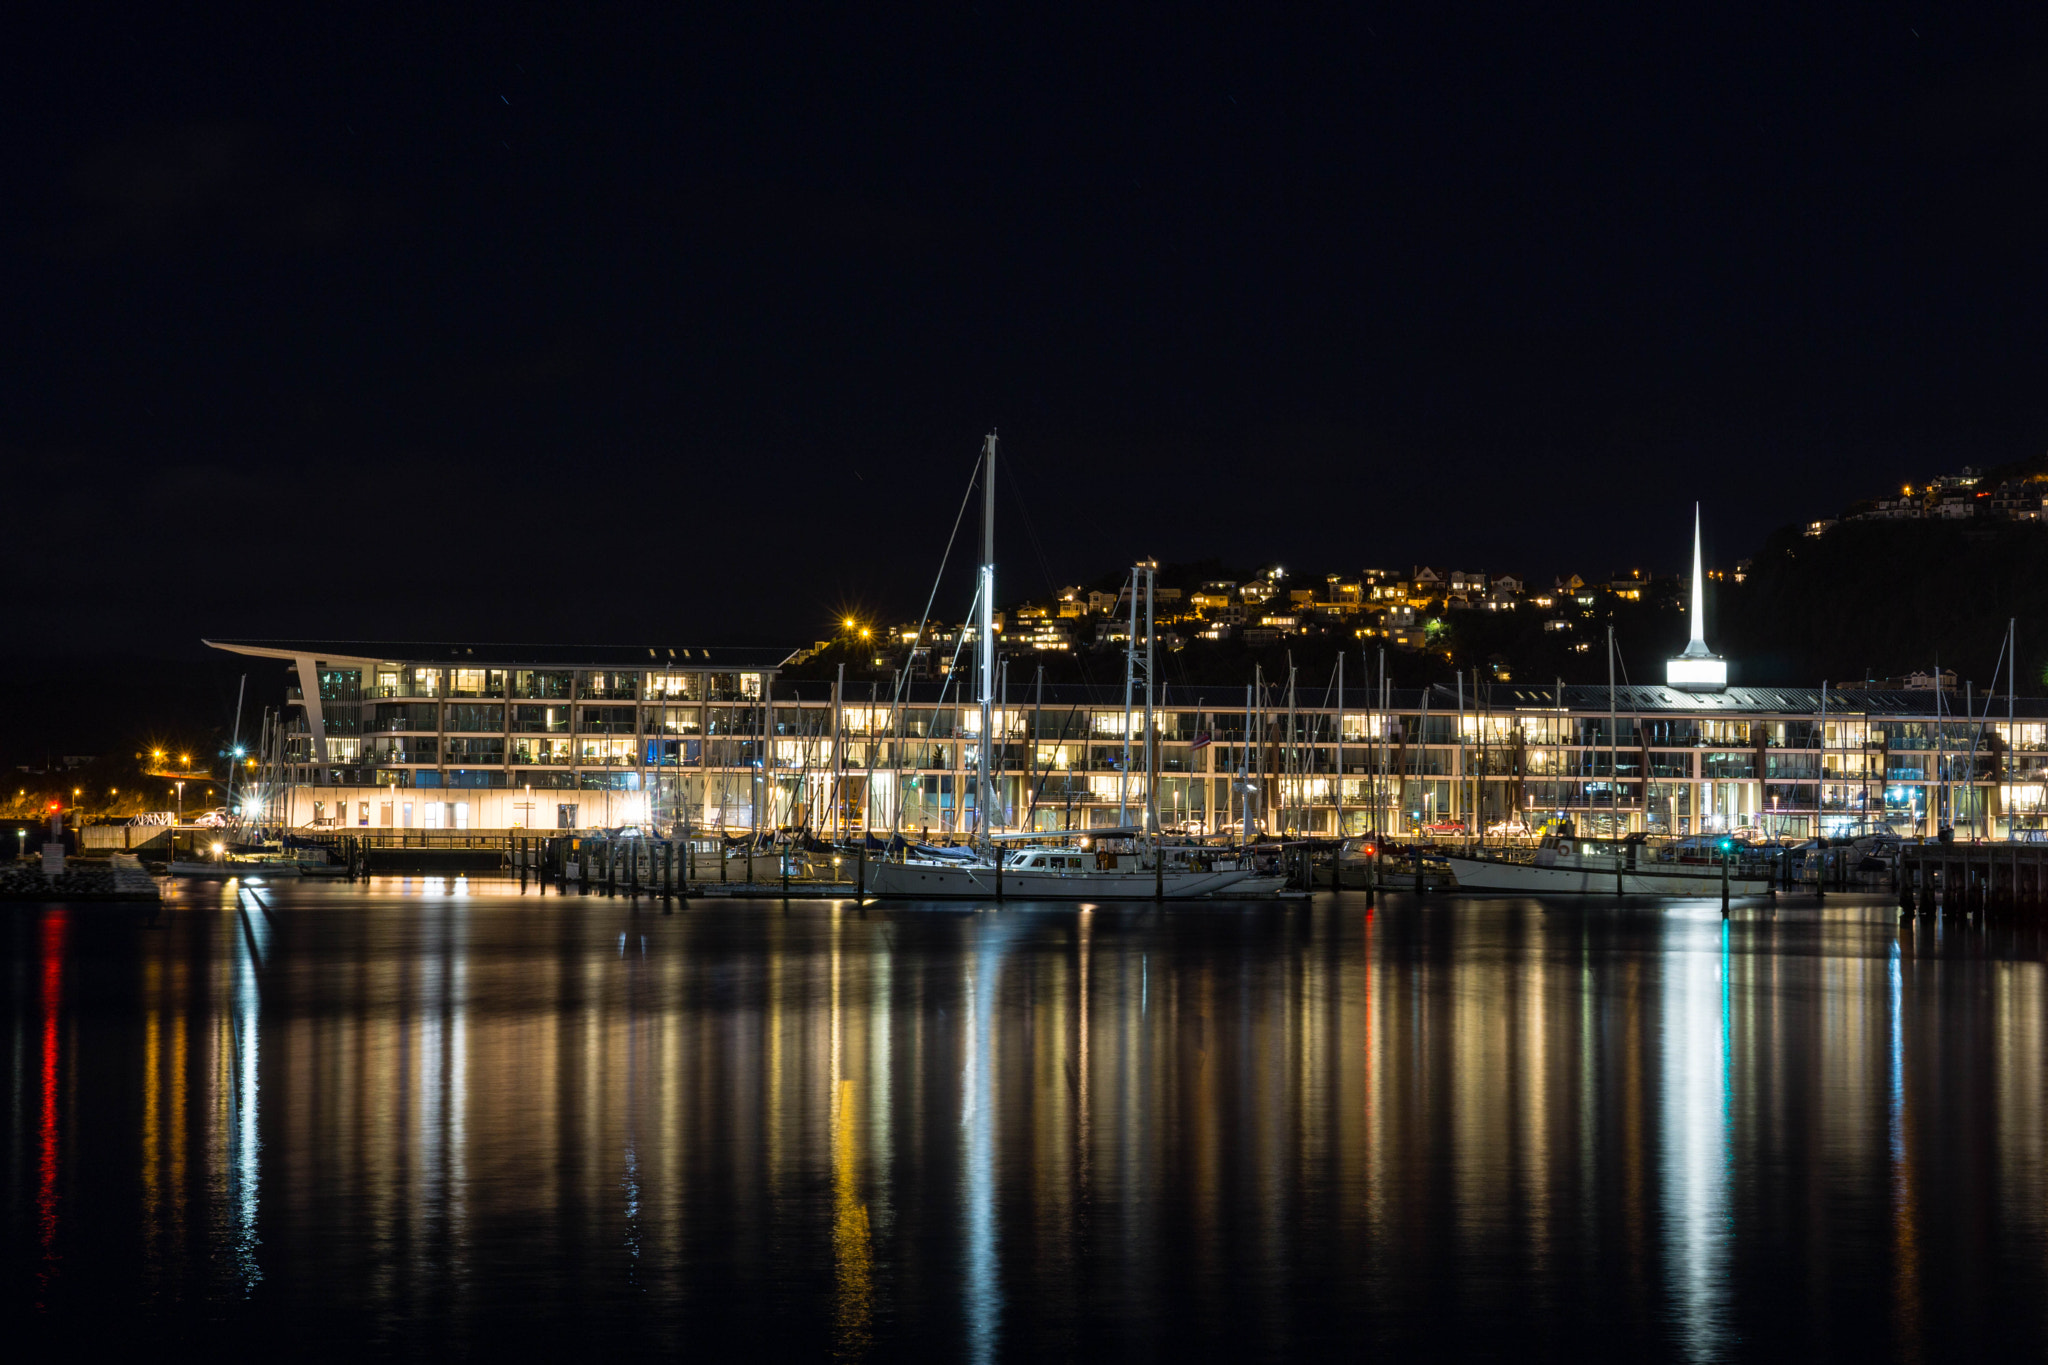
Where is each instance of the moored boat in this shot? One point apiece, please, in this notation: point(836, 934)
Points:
point(1092, 865)
point(1566, 865)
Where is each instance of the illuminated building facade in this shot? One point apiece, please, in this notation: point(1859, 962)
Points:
point(501, 737)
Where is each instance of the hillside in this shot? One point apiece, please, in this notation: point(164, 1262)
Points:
point(1887, 597)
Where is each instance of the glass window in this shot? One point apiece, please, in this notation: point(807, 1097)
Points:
point(607, 683)
point(475, 716)
point(387, 717)
point(340, 684)
point(539, 683)
point(476, 749)
point(736, 720)
point(1668, 732)
point(674, 720)
point(476, 682)
point(864, 720)
point(675, 686)
point(527, 750)
point(404, 749)
point(1728, 766)
point(605, 720)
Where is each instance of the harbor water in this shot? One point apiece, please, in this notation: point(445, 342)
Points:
point(439, 1116)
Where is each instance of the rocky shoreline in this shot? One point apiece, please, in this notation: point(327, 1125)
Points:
point(118, 878)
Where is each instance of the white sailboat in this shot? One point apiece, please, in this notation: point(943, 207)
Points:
point(1082, 865)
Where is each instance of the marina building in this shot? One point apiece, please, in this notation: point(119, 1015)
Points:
point(495, 737)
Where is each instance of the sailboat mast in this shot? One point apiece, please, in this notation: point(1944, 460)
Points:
point(1151, 731)
point(984, 796)
point(1244, 770)
point(1340, 744)
point(1123, 774)
point(1613, 739)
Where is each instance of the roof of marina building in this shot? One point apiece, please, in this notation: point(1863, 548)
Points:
point(507, 654)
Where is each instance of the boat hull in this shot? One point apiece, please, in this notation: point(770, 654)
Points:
point(222, 871)
point(977, 881)
point(1488, 874)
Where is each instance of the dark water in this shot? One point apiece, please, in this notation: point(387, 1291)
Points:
point(425, 1122)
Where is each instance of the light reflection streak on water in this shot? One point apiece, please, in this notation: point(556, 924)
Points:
point(1906, 1250)
point(983, 1290)
point(46, 1129)
point(1696, 1135)
point(246, 1143)
point(851, 1246)
point(1082, 1140)
point(152, 1102)
point(629, 1176)
point(881, 1077)
point(458, 1093)
point(427, 1114)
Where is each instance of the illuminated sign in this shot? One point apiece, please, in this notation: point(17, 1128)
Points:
point(1697, 674)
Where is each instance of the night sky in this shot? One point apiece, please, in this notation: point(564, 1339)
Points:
point(684, 323)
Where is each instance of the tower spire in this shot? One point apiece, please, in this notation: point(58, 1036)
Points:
point(1697, 669)
point(1699, 591)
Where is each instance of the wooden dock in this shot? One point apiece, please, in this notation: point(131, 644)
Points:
point(1997, 880)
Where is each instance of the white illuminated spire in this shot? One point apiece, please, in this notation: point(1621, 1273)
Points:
point(1698, 669)
point(1697, 647)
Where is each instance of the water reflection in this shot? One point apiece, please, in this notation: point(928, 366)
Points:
point(447, 1119)
point(51, 999)
point(242, 1143)
point(1696, 1117)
